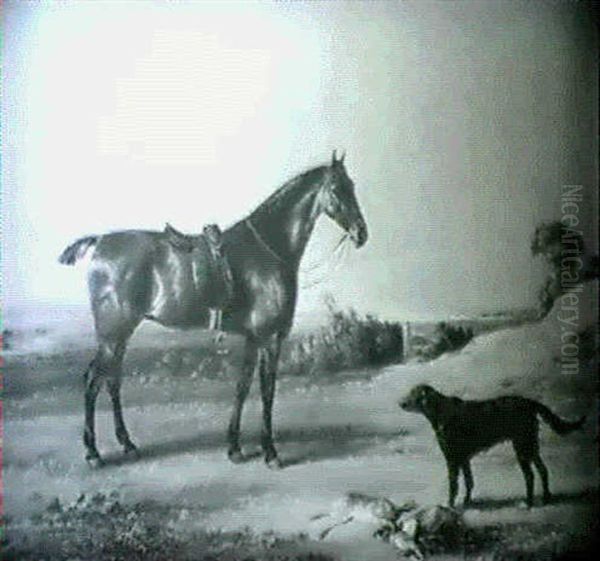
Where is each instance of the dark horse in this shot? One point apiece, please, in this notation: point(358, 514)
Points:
point(136, 275)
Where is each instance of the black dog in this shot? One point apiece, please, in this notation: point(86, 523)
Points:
point(465, 428)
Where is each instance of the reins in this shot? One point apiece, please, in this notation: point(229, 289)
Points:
point(273, 253)
point(265, 245)
point(329, 266)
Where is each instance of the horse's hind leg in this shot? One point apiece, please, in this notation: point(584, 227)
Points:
point(106, 367)
point(93, 383)
point(113, 385)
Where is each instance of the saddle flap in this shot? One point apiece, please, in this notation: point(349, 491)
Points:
point(178, 239)
point(210, 266)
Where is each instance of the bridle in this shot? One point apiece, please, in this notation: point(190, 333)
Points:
point(334, 201)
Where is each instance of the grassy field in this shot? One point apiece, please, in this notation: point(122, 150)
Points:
point(337, 432)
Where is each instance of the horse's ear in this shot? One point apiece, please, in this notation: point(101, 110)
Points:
point(333, 160)
point(341, 160)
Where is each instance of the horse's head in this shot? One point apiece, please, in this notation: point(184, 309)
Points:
point(339, 202)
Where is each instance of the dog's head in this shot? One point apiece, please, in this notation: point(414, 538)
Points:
point(420, 399)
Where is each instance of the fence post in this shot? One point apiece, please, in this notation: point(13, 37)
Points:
point(406, 337)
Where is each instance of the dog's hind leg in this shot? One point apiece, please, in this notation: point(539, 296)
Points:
point(525, 464)
point(543, 471)
point(468, 476)
point(525, 457)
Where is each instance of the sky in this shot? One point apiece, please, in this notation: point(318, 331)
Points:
point(461, 122)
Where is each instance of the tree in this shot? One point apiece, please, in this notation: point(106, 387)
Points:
point(563, 249)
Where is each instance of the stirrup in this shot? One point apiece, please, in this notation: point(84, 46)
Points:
point(215, 320)
point(215, 323)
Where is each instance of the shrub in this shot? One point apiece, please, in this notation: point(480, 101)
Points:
point(447, 338)
point(348, 341)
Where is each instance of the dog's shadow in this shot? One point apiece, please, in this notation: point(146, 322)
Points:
point(588, 495)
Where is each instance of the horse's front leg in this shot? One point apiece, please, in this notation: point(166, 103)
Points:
point(268, 377)
point(242, 389)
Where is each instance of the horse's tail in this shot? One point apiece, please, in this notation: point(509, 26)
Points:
point(77, 250)
point(558, 425)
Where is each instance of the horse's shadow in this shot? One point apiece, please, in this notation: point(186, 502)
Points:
point(332, 442)
point(202, 442)
point(297, 446)
point(588, 495)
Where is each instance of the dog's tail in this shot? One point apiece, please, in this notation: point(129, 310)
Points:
point(558, 425)
point(77, 250)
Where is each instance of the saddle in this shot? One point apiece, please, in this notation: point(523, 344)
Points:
point(210, 266)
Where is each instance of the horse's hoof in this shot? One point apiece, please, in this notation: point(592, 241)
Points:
point(94, 461)
point(274, 463)
point(236, 456)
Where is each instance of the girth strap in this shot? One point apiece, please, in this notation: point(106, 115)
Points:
point(214, 238)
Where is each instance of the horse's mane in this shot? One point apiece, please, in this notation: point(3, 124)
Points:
point(273, 200)
point(304, 177)
point(271, 203)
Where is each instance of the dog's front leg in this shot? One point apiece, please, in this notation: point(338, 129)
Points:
point(468, 475)
point(452, 482)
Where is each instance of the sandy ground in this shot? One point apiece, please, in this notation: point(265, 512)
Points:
point(334, 437)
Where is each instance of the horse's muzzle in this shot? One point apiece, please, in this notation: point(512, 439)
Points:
point(358, 233)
